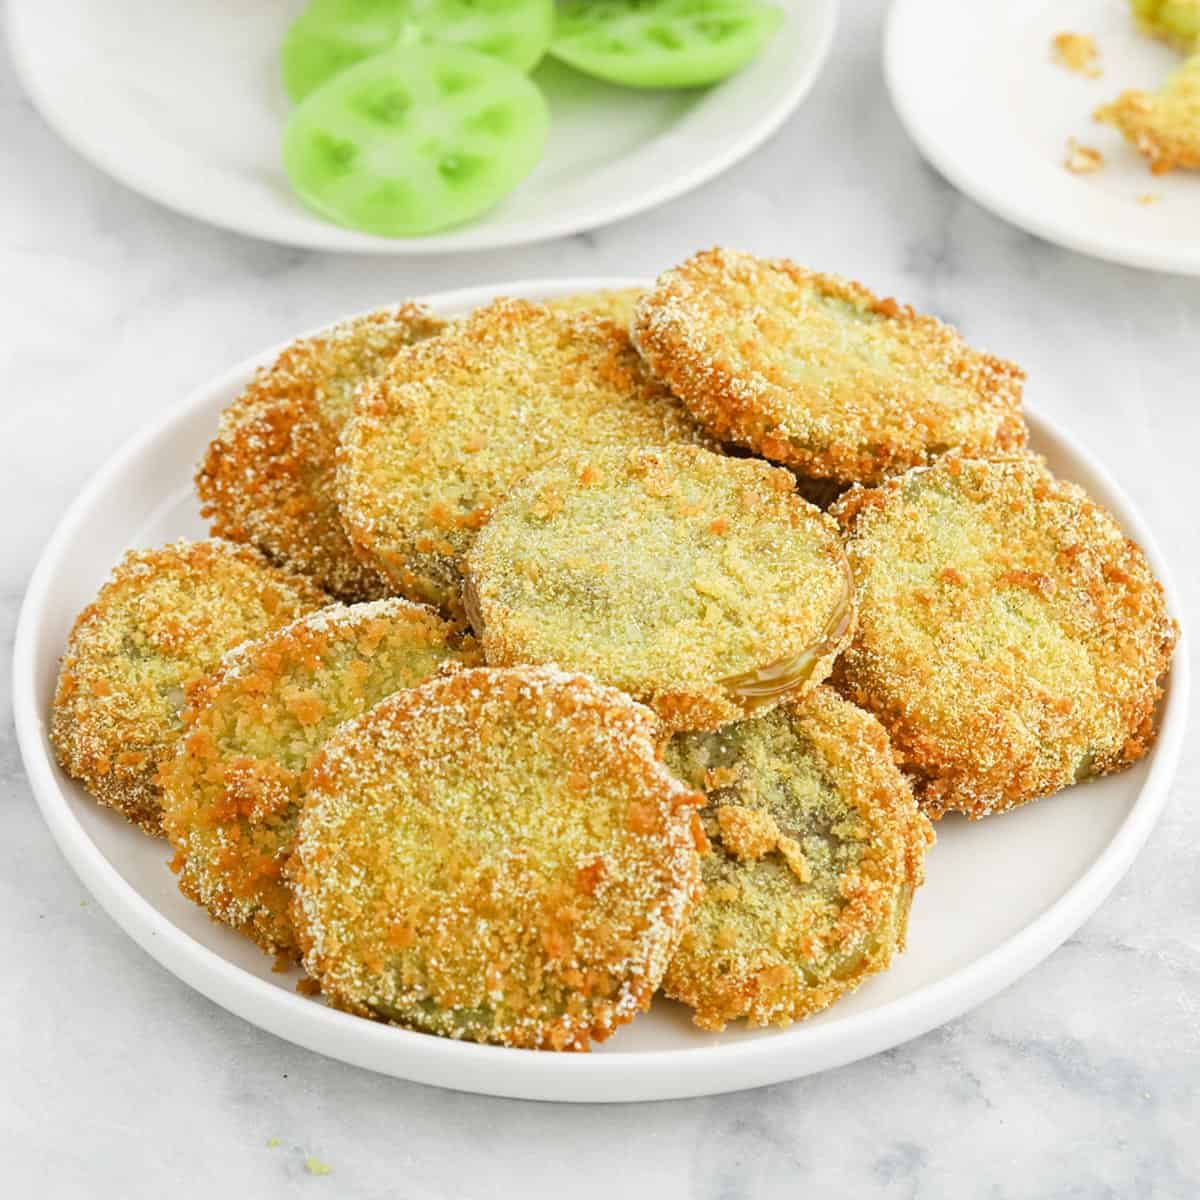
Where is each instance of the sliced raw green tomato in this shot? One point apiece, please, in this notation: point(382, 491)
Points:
point(331, 35)
point(415, 140)
point(662, 43)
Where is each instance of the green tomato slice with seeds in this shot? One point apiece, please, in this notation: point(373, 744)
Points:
point(416, 140)
point(330, 36)
point(662, 43)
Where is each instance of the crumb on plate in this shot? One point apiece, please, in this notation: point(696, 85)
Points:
point(1077, 52)
point(1082, 160)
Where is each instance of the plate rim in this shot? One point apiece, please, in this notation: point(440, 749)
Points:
point(617, 1075)
point(467, 238)
point(1010, 205)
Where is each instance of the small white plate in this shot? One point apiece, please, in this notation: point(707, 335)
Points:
point(977, 89)
point(1046, 866)
point(182, 101)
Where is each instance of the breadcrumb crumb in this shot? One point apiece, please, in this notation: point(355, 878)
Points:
point(1077, 52)
point(1083, 160)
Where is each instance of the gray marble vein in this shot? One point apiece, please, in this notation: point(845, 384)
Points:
point(116, 1080)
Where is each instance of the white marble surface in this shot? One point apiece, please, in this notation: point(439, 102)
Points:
point(116, 1080)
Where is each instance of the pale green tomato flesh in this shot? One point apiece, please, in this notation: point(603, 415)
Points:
point(413, 141)
point(662, 43)
point(332, 35)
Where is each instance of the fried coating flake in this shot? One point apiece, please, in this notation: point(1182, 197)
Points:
point(1082, 160)
point(1077, 52)
point(454, 423)
point(233, 791)
point(1164, 125)
point(816, 847)
point(1010, 638)
point(819, 374)
point(702, 585)
point(268, 476)
point(499, 856)
point(161, 621)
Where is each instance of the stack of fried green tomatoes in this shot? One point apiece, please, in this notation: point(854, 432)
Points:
point(417, 115)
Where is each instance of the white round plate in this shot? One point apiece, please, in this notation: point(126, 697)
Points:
point(182, 101)
point(977, 89)
point(1047, 865)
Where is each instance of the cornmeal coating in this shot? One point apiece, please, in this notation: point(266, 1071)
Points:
point(268, 476)
point(702, 585)
point(161, 621)
point(444, 435)
point(1010, 638)
point(499, 856)
point(617, 304)
point(1175, 21)
point(817, 373)
point(1164, 125)
point(816, 848)
point(233, 791)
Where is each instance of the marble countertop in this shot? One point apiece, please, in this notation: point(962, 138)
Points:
point(117, 1080)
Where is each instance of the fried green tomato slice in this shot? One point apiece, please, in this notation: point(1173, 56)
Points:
point(499, 856)
point(1011, 638)
point(1163, 125)
point(162, 621)
point(816, 848)
point(819, 374)
point(454, 423)
point(232, 793)
point(703, 586)
point(1176, 21)
point(268, 476)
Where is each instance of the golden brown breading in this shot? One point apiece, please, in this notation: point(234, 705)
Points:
point(161, 621)
point(817, 373)
point(267, 477)
point(616, 304)
point(499, 856)
point(700, 584)
point(233, 790)
point(1164, 125)
point(1010, 638)
point(816, 849)
point(456, 422)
